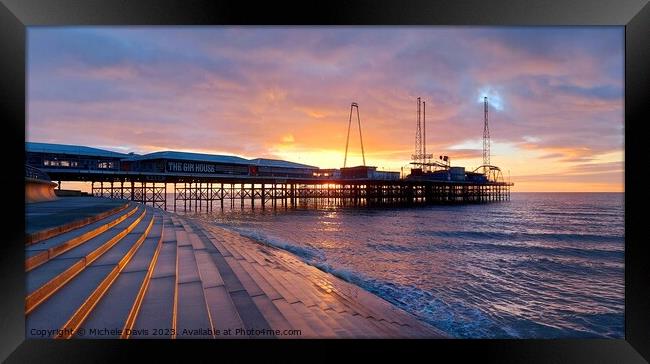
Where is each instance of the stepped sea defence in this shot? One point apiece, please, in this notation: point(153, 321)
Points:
point(146, 273)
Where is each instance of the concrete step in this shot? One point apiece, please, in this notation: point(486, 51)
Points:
point(272, 314)
point(238, 284)
point(45, 250)
point(192, 316)
point(261, 292)
point(276, 287)
point(245, 268)
point(221, 240)
point(48, 250)
point(82, 250)
point(71, 304)
point(316, 307)
point(260, 280)
point(357, 325)
point(350, 329)
point(296, 320)
point(315, 319)
point(380, 312)
point(193, 321)
point(332, 308)
point(56, 311)
point(280, 296)
point(361, 301)
point(155, 317)
point(46, 279)
point(123, 298)
point(100, 291)
point(246, 280)
point(222, 311)
point(249, 254)
point(313, 274)
point(76, 211)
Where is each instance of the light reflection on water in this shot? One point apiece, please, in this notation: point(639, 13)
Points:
point(541, 265)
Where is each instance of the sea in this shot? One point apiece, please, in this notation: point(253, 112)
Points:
point(542, 265)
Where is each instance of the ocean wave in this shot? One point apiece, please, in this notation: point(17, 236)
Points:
point(310, 254)
point(522, 236)
point(568, 267)
point(502, 247)
point(393, 248)
point(561, 251)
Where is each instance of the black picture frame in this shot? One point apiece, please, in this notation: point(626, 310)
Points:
point(16, 15)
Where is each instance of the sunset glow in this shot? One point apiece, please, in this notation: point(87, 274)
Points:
point(555, 95)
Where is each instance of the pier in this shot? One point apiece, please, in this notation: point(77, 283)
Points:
point(202, 182)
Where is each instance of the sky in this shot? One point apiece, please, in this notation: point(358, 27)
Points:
point(556, 106)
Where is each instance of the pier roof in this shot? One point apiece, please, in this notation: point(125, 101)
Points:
point(71, 149)
point(187, 156)
point(279, 163)
point(217, 158)
point(168, 154)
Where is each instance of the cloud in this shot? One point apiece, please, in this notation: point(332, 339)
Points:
point(243, 90)
point(589, 168)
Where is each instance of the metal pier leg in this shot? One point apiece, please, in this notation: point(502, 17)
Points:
point(252, 192)
point(275, 195)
